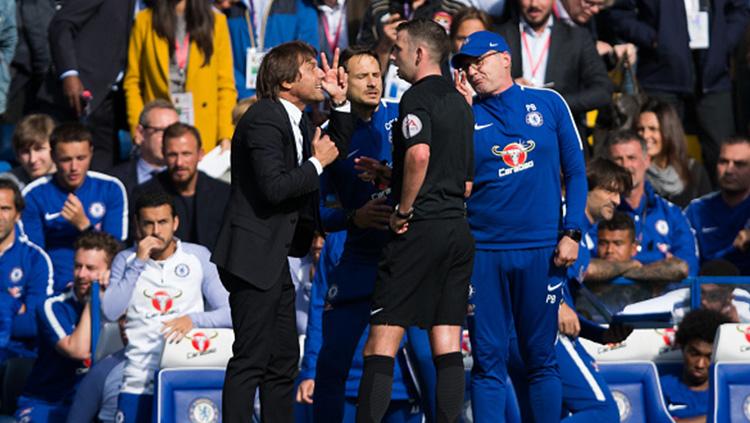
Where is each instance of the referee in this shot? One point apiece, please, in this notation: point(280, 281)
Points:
point(423, 274)
point(524, 138)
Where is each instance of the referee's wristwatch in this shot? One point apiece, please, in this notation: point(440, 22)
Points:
point(574, 234)
point(405, 216)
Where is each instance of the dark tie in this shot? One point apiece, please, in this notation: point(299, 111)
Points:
point(304, 127)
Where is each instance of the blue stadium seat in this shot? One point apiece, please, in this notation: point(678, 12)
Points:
point(635, 387)
point(188, 394)
point(729, 395)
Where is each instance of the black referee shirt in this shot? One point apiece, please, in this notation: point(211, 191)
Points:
point(432, 112)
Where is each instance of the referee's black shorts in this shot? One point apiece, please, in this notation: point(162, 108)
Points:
point(423, 275)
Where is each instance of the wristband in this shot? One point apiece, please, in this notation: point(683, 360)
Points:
point(405, 216)
point(574, 234)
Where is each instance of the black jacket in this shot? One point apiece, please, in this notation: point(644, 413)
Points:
point(211, 199)
point(665, 62)
point(91, 37)
point(272, 210)
point(573, 65)
point(127, 173)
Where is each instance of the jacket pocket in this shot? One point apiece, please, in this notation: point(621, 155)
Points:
point(253, 226)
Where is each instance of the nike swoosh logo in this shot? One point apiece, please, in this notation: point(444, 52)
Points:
point(711, 229)
point(352, 153)
point(478, 127)
point(493, 44)
point(376, 311)
point(51, 216)
point(551, 288)
point(675, 407)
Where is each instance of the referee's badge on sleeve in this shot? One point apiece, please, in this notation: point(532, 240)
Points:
point(411, 126)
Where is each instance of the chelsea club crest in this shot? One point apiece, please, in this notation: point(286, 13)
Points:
point(534, 119)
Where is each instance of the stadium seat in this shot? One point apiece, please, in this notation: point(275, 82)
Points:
point(655, 345)
point(636, 390)
point(109, 342)
point(729, 395)
point(200, 348)
point(732, 343)
point(188, 394)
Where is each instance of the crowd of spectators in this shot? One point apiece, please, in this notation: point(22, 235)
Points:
point(119, 110)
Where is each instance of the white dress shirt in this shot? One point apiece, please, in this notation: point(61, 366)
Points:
point(295, 116)
point(535, 51)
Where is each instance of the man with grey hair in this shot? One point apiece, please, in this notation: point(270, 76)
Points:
point(148, 159)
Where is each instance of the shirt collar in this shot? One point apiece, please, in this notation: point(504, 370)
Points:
point(144, 167)
point(562, 13)
point(328, 9)
point(527, 28)
point(295, 114)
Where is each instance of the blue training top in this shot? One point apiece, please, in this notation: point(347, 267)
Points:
point(523, 138)
point(106, 205)
point(26, 274)
point(682, 402)
point(717, 225)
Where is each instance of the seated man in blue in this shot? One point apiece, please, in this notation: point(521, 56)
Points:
point(661, 229)
point(60, 207)
point(722, 219)
point(686, 395)
point(65, 334)
point(25, 275)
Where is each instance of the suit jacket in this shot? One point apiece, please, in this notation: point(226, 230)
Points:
point(127, 173)
point(573, 64)
point(91, 37)
point(271, 194)
point(211, 199)
point(212, 86)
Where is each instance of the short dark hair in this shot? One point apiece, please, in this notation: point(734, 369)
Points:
point(468, 14)
point(177, 130)
point(32, 130)
point(157, 104)
point(69, 132)
point(621, 136)
point(606, 174)
point(18, 201)
point(718, 267)
point(95, 240)
point(430, 33)
point(620, 221)
point(153, 198)
point(353, 51)
point(735, 140)
point(280, 65)
point(700, 324)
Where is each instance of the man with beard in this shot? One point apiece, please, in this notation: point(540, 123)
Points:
point(686, 395)
point(199, 200)
point(166, 287)
point(722, 219)
point(65, 334)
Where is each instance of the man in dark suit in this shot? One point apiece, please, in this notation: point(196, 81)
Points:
point(272, 214)
point(148, 161)
point(547, 53)
point(200, 200)
point(89, 41)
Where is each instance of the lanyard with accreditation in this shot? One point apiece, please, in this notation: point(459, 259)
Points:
point(183, 100)
point(255, 52)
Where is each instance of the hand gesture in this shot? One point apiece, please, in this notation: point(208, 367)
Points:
point(462, 86)
point(146, 246)
point(335, 81)
point(73, 212)
point(72, 90)
point(389, 28)
point(374, 214)
point(324, 149)
point(305, 391)
point(373, 171)
point(176, 329)
point(742, 240)
point(398, 225)
point(566, 252)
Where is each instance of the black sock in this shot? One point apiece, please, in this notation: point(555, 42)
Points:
point(449, 391)
point(375, 388)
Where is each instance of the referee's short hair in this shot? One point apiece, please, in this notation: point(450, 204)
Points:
point(606, 174)
point(431, 34)
point(620, 221)
point(622, 136)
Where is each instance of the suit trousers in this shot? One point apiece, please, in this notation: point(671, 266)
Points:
point(266, 350)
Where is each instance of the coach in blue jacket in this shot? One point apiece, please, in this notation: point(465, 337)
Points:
point(670, 68)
